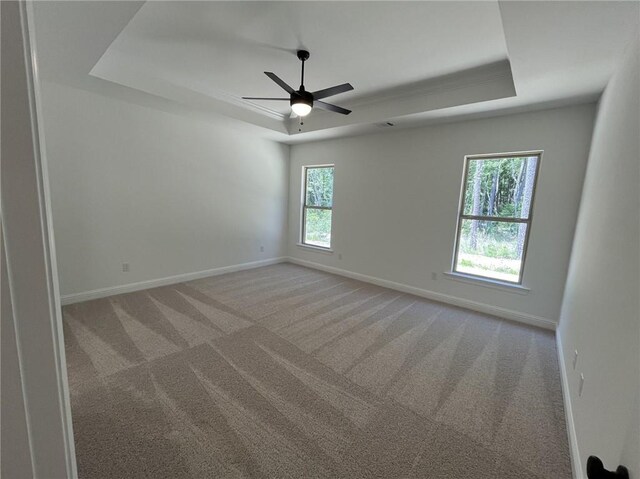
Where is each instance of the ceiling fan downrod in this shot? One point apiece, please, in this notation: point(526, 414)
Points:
point(303, 56)
point(302, 101)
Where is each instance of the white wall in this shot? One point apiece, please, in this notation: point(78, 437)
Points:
point(396, 200)
point(168, 194)
point(601, 311)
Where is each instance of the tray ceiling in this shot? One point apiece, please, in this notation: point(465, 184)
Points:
point(410, 62)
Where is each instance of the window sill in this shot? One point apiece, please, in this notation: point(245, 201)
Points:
point(487, 283)
point(318, 249)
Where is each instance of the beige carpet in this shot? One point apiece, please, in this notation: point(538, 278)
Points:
point(284, 371)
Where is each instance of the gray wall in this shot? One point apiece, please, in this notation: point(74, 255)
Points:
point(600, 314)
point(14, 439)
point(167, 194)
point(396, 201)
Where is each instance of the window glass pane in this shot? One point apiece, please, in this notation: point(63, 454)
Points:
point(500, 187)
point(319, 187)
point(317, 228)
point(491, 248)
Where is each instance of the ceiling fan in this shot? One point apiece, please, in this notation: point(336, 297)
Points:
point(301, 100)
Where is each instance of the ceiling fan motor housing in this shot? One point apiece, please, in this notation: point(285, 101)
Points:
point(301, 100)
point(301, 96)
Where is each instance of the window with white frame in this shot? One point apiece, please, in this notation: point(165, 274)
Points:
point(317, 207)
point(494, 217)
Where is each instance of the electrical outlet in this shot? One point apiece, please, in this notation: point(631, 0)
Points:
point(125, 267)
point(434, 276)
point(581, 387)
point(575, 358)
point(262, 249)
point(339, 255)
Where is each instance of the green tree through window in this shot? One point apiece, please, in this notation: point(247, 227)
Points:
point(318, 206)
point(495, 216)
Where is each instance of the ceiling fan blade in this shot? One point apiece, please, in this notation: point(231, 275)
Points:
point(329, 107)
point(334, 90)
point(260, 98)
point(279, 81)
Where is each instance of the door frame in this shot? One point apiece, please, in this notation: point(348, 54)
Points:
point(30, 251)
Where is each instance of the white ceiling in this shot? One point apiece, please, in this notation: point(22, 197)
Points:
point(410, 62)
point(225, 46)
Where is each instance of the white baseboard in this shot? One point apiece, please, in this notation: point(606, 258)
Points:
point(576, 465)
point(432, 295)
point(154, 283)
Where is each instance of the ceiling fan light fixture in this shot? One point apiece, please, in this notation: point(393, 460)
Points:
point(301, 108)
point(303, 101)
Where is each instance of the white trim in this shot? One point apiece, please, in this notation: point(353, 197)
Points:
point(486, 282)
point(48, 237)
point(527, 221)
point(507, 154)
point(568, 412)
point(432, 295)
point(303, 201)
point(154, 283)
point(319, 249)
point(31, 265)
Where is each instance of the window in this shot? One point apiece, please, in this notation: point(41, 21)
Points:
point(494, 218)
point(317, 206)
